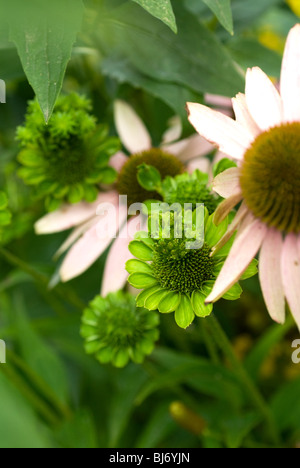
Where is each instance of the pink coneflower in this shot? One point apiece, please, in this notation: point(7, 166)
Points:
point(84, 244)
point(265, 140)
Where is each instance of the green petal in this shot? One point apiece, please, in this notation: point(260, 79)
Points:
point(105, 355)
point(30, 158)
point(198, 301)
point(52, 204)
point(184, 314)
point(5, 218)
point(141, 251)
point(137, 266)
point(92, 347)
point(90, 193)
point(152, 302)
point(141, 280)
point(234, 293)
point(169, 303)
point(76, 193)
point(121, 358)
point(252, 270)
point(214, 233)
point(140, 300)
point(3, 201)
point(107, 175)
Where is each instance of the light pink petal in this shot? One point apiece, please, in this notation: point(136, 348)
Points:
point(226, 206)
point(118, 160)
point(202, 164)
point(190, 148)
point(263, 100)
point(227, 183)
point(115, 275)
point(220, 130)
point(174, 131)
point(75, 234)
point(241, 214)
point(131, 129)
point(243, 251)
point(93, 243)
point(217, 101)
point(290, 76)
point(270, 275)
point(243, 115)
point(290, 268)
point(69, 216)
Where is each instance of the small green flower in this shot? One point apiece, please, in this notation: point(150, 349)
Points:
point(5, 214)
point(115, 330)
point(67, 159)
point(178, 279)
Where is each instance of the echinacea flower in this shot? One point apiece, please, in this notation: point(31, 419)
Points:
point(66, 160)
point(116, 330)
point(265, 140)
point(176, 278)
point(85, 244)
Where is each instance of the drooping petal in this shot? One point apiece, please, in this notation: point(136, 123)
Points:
point(118, 160)
point(93, 243)
point(202, 164)
point(220, 130)
point(69, 215)
point(243, 251)
point(193, 147)
point(227, 183)
point(226, 206)
point(217, 101)
point(270, 275)
point(115, 275)
point(290, 269)
point(75, 234)
point(290, 76)
point(131, 129)
point(243, 115)
point(263, 99)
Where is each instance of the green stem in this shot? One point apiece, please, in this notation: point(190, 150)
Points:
point(255, 395)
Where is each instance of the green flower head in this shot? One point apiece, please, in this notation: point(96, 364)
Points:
point(176, 273)
point(116, 330)
point(67, 159)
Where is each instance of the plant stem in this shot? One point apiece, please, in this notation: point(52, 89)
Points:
point(253, 392)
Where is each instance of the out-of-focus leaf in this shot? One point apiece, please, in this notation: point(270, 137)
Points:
point(197, 373)
point(19, 427)
point(38, 355)
point(222, 10)
point(238, 427)
point(249, 52)
point(158, 427)
point(79, 432)
point(285, 405)
point(174, 95)
point(161, 9)
point(193, 58)
point(245, 12)
point(44, 33)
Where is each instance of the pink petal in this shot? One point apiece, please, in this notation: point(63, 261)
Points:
point(217, 101)
point(202, 164)
point(118, 160)
point(290, 76)
point(243, 251)
point(131, 129)
point(227, 183)
point(270, 275)
point(93, 243)
point(263, 100)
point(220, 130)
point(75, 234)
point(226, 206)
point(174, 131)
point(243, 115)
point(115, 275)
point(290, 268)
point(69, 216)
point(189, 148)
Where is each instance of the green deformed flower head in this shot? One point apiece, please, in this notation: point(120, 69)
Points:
point(66, 159)
point(178, 279)
point(116, 330)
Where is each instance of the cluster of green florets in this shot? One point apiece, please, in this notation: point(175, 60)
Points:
point(116, 330)
point(180, 269)
point(66, 159)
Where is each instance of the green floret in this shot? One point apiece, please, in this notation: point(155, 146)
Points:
point(116, 330)
point(67, 159)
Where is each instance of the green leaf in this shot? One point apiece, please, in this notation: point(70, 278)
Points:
point(285, 405)
point(44, 33)
point(161, 9)
point(222, 10)
point(194, 57)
